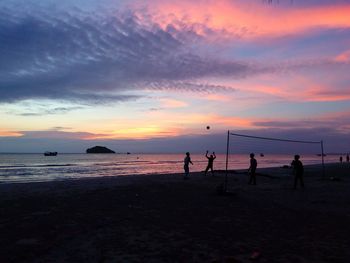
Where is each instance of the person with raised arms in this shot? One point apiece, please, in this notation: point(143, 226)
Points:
point(211, 159)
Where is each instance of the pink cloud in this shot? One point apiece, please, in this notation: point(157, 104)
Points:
point(299, 89)
point(337, 122)
point(343, 57)
point(254, 20)
point(319, 93)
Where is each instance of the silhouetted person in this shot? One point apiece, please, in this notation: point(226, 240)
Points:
point(210, 163)
point(298, 171)
point(341, 159)
point(347, 158)
point(187, 162)
point(252, 169)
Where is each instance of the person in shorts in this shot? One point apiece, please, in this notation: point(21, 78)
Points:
point(252, 169)
point(187, 162)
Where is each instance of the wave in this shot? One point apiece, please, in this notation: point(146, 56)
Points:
point(34, 166)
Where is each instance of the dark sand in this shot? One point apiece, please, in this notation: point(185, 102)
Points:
point(163, 218)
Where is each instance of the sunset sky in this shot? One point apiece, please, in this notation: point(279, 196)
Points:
point(149, 76)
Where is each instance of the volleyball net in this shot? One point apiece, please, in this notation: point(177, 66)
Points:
point(268, 149)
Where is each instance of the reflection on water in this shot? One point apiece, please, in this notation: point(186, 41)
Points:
point(37, 167)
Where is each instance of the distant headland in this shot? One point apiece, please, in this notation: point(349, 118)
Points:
point(99, 149)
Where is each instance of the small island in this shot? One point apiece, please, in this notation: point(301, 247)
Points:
point(99, 149)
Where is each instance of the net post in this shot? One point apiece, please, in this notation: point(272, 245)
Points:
point(227, 150)
point(323, 167)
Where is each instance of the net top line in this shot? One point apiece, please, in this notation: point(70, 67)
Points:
point(273, 139)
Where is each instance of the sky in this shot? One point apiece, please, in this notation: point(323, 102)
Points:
point(150, 76)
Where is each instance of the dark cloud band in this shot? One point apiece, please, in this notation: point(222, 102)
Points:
point(75, 55)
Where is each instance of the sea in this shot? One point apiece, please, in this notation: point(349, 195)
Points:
point(25, 168)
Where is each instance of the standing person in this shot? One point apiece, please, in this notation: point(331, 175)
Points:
point(187, 162)
point(252, 169)
point(210, 163)
point(341, 159)
point(298, 171)
point(347, 158)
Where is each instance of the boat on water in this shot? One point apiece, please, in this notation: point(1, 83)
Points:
point(50, 153)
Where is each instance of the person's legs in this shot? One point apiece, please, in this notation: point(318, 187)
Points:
point(206, 170)
point(212, 171)
point(253, 177)
point(187, 172)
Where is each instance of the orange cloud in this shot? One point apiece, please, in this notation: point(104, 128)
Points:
point(145, 132)
point(171, 103)
point(217, 97)
point(4, 133)
point(196, 122)
point(230, 122)
point(254, 20)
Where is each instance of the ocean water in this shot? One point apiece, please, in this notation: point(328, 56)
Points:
point(22, 168)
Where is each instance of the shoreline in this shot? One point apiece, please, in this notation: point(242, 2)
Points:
point(163, 218)
point(275, 170)
point(38, 169)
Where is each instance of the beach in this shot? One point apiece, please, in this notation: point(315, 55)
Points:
point(163, 218)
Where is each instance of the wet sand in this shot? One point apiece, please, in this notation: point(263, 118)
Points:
point(163, 218)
